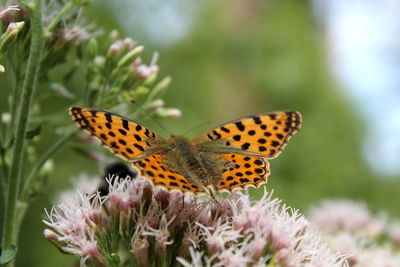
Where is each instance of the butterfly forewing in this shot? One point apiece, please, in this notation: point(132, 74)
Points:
point(263, 135)
point(125, 138)
point(152, 168)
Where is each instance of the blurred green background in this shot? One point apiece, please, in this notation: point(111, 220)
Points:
point(231, 59)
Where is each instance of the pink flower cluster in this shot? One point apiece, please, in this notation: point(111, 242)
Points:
point(349, 227)
point(138, 224)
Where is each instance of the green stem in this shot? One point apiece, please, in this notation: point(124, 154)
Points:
point(33, 175)
point(58, 18)
point(29, 84)
point(30, 181)
point(3, 175)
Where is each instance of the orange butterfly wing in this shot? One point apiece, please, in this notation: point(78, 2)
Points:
point(245, 171)
point(153, 170)
point(264, 135)
point(125, 138)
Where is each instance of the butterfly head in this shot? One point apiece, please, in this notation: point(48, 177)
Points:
point(180, 143)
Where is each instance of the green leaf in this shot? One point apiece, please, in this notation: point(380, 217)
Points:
point(32, 133)
point(7, 255)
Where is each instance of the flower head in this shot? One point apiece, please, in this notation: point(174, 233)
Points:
point(232, 231)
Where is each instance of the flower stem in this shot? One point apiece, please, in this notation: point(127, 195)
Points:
point(29, 183)
point(59, 16)
point(29, 84)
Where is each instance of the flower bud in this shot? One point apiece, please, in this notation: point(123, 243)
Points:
point(8, 38)
point(160, 87)
point(130, 56)
point(168, 112)
point(92, 48)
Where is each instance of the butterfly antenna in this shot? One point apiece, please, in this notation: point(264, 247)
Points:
point(197, 126)
point(133, 101)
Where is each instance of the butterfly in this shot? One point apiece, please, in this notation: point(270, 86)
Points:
point(229, 157)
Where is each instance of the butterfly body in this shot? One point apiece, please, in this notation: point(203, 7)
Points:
point(199, 167)
point(229, 157)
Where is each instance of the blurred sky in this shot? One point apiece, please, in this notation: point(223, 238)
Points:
point(362, 39)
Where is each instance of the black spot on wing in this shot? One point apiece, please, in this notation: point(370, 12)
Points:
point(240, 126)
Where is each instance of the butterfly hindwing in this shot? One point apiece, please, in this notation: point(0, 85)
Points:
point(244, 171)
point(152, 169)
point(263, 135)
point(124, 137)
